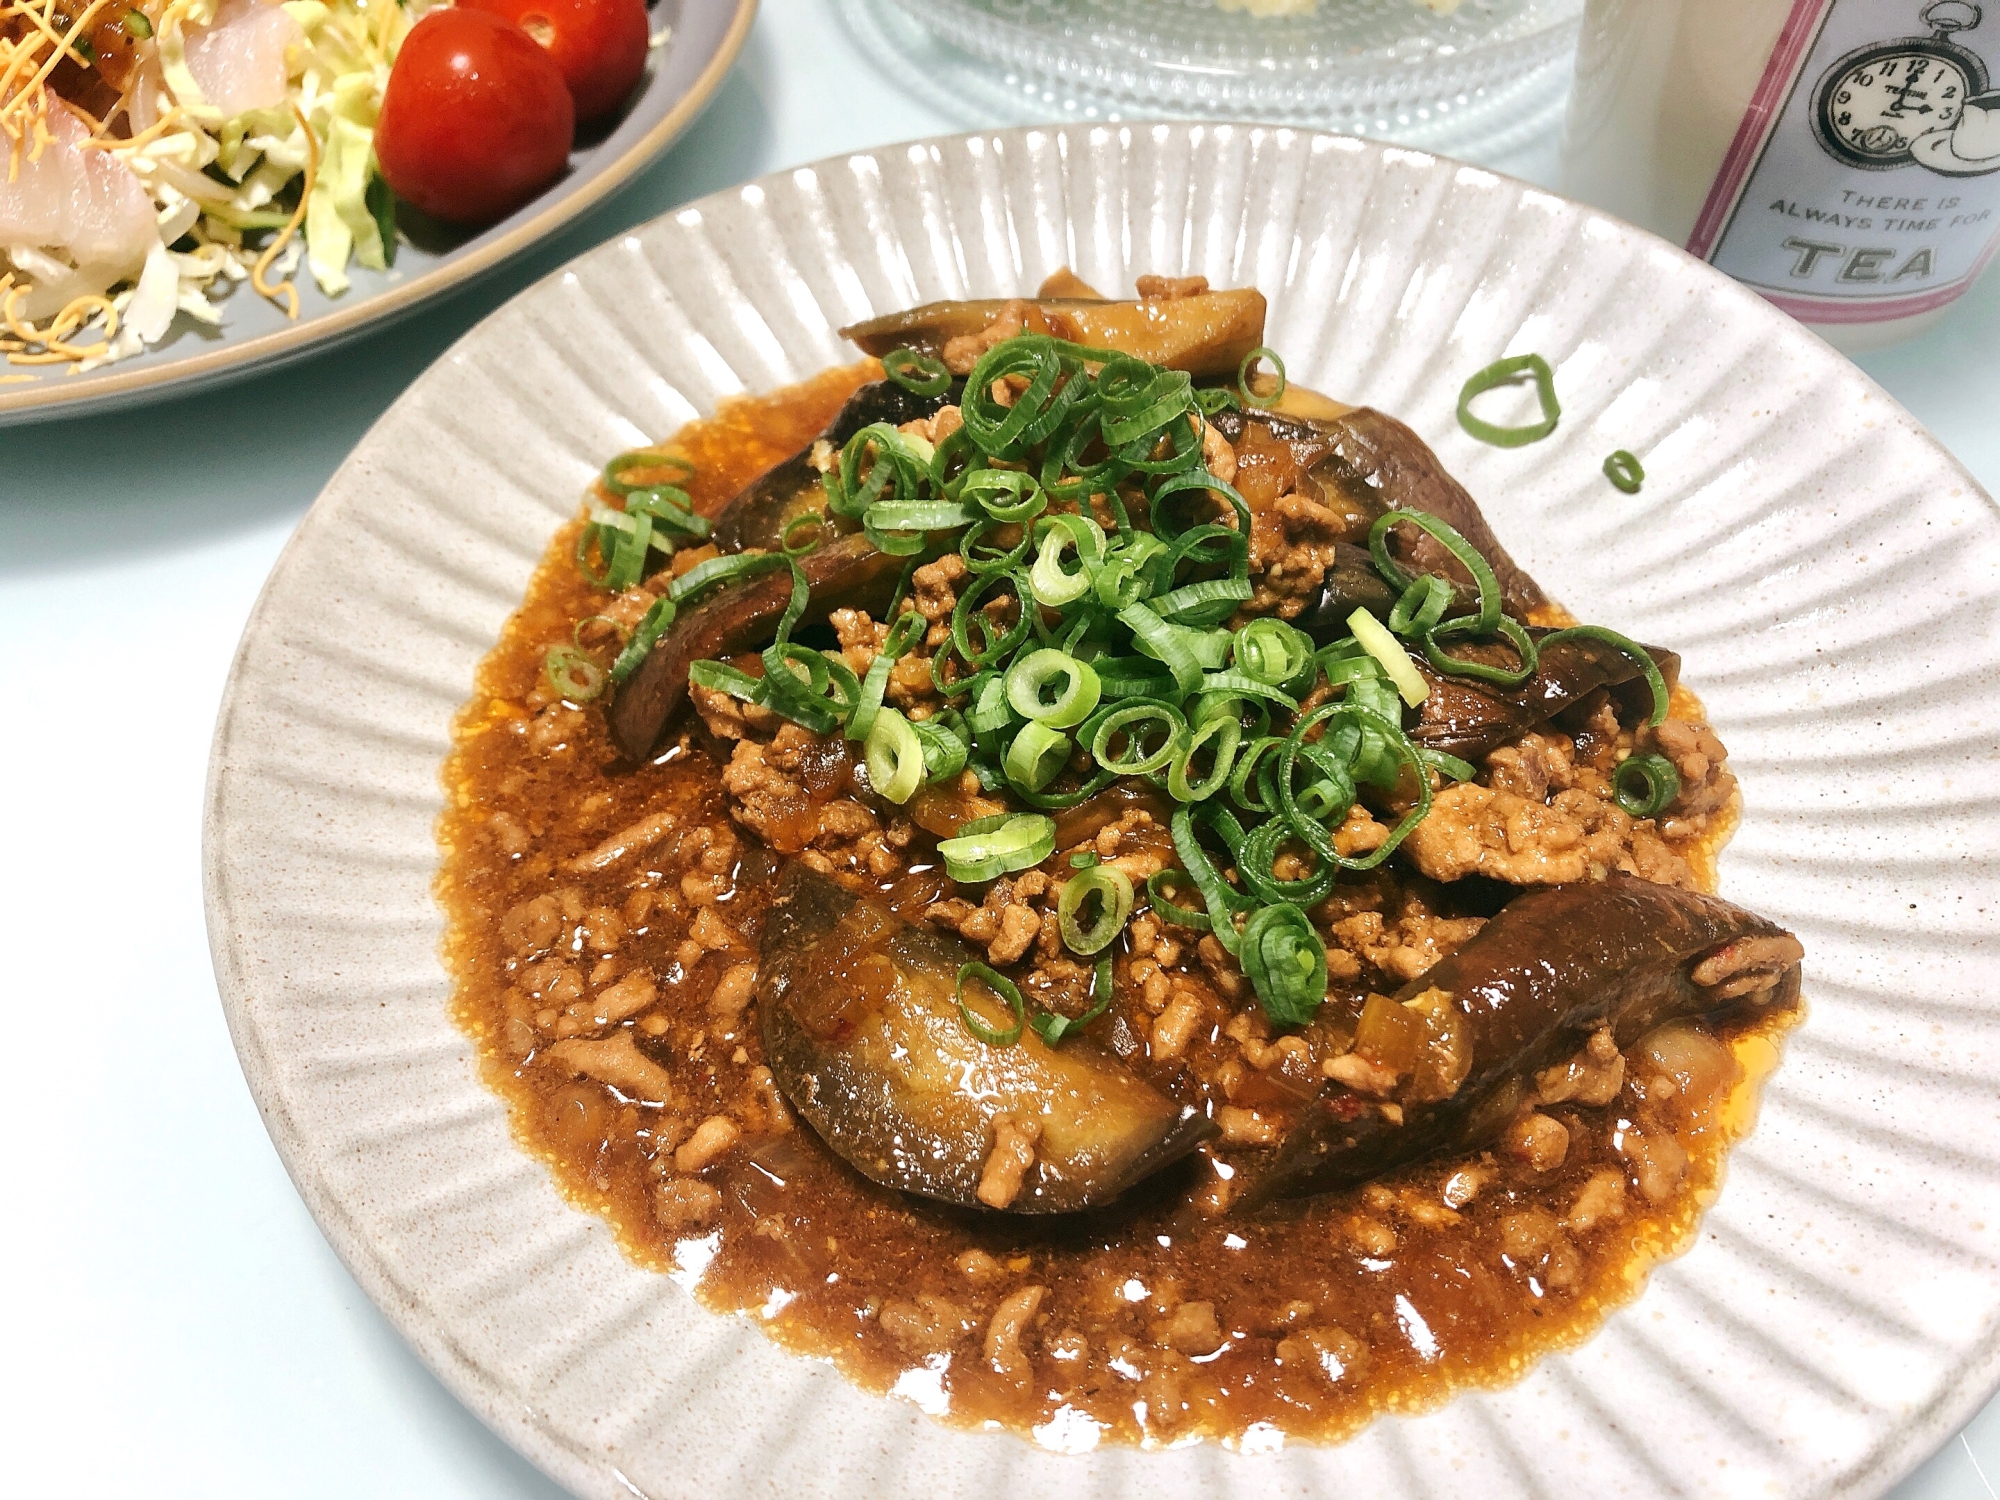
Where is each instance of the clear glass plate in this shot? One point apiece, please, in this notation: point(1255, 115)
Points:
point(1394, 69)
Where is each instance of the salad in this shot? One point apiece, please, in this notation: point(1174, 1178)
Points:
point(154, 155)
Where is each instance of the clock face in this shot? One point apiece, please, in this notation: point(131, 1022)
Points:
point(1873, 104)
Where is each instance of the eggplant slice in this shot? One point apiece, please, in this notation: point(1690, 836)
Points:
point(1527, 992)
point(1205, 335)
point(1470, 719)
point(845, 573)
point(861, 1028)
point(1367, 463)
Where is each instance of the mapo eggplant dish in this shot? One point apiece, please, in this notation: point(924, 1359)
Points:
point(1080, 882)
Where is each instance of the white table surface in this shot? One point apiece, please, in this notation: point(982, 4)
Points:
point(171, 1321)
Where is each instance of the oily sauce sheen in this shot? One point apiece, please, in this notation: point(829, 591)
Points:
point(1154, 1322)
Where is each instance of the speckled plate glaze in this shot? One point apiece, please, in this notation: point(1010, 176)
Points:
point(705, 36)
point(1830, 575)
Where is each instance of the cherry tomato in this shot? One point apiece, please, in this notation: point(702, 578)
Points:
point(600, 45)
point(476, 119)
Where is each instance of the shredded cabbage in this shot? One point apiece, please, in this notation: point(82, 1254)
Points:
point(335, 75)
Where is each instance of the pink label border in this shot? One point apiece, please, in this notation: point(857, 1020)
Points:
point(1795, 41)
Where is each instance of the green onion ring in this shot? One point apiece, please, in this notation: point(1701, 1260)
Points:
point(1631, 648)
point(1221, 901)
point(895, 756)
point(721, 570)
point(1489, 612)
point(1517, 637)
point(638, 458)
point(1051, 583)
point(1133, 720)
point(1285, 962)
point(1001, 986)
point(1030, 679)
point(991, 489)
point(1421, 605)
point(573, 674)
point(1509, 372)
point(916, 372)
point(969, 600)
point(1168, 910)
point(1256, 863)
point(1249, 397)
point(1645, 785)
point(944, 749)
point(1625, 472)
point(1113, 889)
point(1228, 734)
point(990, 847)
point(1036, 756)
point(1449, 766)
point(1052, 1028)
point(657, 620)
point(1271, 651)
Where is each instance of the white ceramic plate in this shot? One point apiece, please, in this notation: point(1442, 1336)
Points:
point(255, 335)
point(1830, 575)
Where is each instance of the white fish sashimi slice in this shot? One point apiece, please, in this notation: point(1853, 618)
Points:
point(238, 59)
point(87, 204)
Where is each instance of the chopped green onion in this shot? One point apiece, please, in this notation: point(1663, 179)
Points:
point(1035, 758)
point(1008, 992)
point(137, 26)
point(1285, 962)
point(895, 756)
point(1625, 472)
point(1137, 722)
point(916, 372)
point(1052, 1028)
point(1510, 372)
point(573, 674)
point(1488, 616)
point(1112, 889)
point(615, 471)
point(722, 570)
point(1083, 859)
point(990, 847)
point(659, 617)
point(1166, 909)
point(1645, 785)
point(1006, 495)
point(1447, 765)
point(1375, 639)
point(1250, 397)
point(945, 749)
point(1227, 734)
point(1215, 892)
point(1272, 652)
point(1053, 688)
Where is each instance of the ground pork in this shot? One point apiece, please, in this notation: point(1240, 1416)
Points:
point(1707, 787)
point(1292, 541)
point(788, 794)
point(910, 687)
point(1477, 830)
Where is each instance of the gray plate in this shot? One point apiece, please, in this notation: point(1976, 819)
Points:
point(680, 77)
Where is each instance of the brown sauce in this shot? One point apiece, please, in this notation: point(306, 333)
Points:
point(1155, 1323)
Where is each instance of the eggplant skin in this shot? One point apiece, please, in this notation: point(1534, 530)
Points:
point(756, 515)
point(844, 573)
point(1470, 719)
point(1375, 451)
point(1529, 988)
point(859, 1018)
point(847, 573)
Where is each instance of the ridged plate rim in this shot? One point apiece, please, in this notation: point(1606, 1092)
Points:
point(258, 843)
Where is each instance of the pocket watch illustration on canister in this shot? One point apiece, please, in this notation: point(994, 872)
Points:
point(1915, 99)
